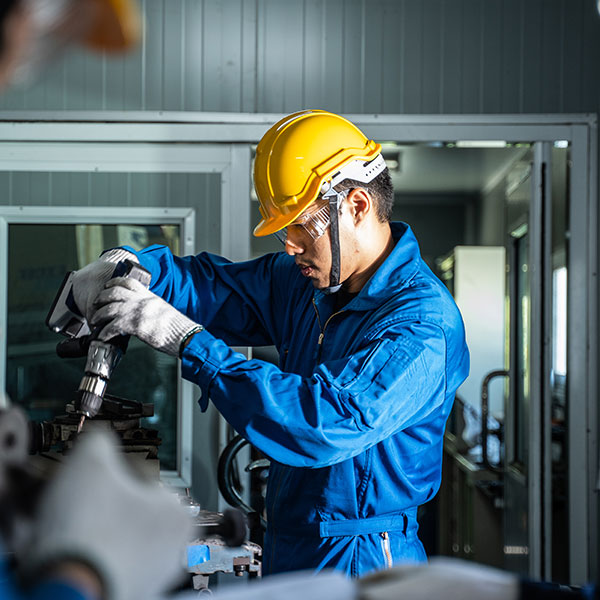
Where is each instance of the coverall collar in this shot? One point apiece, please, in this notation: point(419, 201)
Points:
point(395, 272)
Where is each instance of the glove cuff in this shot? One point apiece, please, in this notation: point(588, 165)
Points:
point(116, 255)
point(181, 329)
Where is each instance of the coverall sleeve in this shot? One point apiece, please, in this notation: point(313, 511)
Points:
point(346, 406)
point(234, 300)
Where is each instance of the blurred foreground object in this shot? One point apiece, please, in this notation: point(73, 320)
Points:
point(35, 32)
point(299, 585)
point(98, 512)
point(445, 578)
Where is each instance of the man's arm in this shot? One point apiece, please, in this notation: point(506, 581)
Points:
point(239, 302)
point(346, 406)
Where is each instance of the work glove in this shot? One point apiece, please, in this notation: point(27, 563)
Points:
point(89, 280)
point(447, 578)
point(126, 307)
point(97, 511)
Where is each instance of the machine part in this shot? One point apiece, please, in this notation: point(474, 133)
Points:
point(200, 584)
point(57, 436)
point(225, 471)
point(209, 555)
point(231, 527)
point(220, 545)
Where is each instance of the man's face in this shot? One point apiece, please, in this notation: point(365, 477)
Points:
point(313, 257)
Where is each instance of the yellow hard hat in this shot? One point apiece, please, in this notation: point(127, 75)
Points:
point(299, 156)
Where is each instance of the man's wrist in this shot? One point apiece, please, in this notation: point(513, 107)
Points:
point(187, 337)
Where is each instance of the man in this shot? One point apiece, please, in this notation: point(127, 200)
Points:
point(371, 347)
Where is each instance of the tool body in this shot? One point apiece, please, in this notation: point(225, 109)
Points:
point(102, 357)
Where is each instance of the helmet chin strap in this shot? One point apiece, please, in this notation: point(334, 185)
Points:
point(335, 200)
point(358, 170)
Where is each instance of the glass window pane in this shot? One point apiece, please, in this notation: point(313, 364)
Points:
point(39, 257)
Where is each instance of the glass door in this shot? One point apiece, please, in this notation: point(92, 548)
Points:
point(535, 487)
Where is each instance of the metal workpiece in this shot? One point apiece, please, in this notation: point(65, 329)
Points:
point(119, 415)
point(102, 358)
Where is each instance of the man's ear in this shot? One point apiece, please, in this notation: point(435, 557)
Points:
point(360, 204)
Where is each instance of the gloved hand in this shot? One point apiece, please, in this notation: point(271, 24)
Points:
point(125, 306)
point(96, 511)
point(447, 578)
point(90, 280)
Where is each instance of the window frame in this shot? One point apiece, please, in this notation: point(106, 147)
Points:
point(73, 215)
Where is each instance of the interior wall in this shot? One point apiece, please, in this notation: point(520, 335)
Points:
point(491, 230)
point(440, 221)
point(349, 56)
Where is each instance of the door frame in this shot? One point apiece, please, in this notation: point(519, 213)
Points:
point(241, 131)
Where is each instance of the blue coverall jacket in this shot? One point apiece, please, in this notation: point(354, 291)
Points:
point(352, 419)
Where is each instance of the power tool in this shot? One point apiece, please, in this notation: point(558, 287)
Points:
point(65, 318)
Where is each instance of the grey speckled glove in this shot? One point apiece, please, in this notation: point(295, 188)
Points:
point(125, 306)
point(89, 281)
point(97, 511)
point(447, 578)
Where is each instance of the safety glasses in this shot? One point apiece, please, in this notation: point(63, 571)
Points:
point(314, 223)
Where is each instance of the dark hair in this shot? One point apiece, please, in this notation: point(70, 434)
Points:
point(382, 191)
point(6, 8)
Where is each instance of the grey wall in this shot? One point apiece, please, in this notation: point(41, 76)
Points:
point(351, 56)
point(439, 221)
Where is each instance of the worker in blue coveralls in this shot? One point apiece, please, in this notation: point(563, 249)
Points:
point(371, 347)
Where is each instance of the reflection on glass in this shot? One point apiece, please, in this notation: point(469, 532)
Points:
point(522, 352)
point(39, 381)
point(559, 361)
point(559, 322)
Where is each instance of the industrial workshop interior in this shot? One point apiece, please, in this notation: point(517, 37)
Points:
point(126, 124)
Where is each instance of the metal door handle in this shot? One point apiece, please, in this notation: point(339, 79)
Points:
point(484, 416)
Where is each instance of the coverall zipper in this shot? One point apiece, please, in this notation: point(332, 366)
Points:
point(322, 329)
point(387, 553)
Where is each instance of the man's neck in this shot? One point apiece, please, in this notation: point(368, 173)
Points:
point(374, 258)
